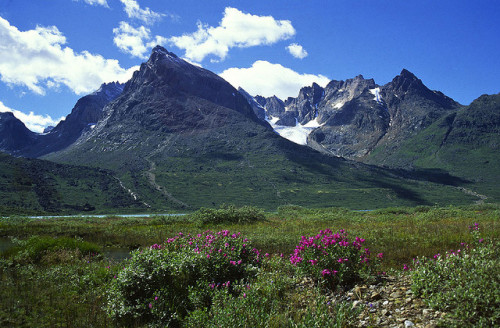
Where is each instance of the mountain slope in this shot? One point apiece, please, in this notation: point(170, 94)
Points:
point(37, 186)
point(17, 140)
point(465, 143)
point(182, 137)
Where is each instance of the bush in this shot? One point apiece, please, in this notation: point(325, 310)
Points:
point(464, 283)
point(228, 214)
point(272, 299)
point(36, 248)
point(331, 259)
point(162, 283)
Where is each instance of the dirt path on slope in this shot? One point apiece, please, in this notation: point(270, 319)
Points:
point(152, 180)
point(466, 191)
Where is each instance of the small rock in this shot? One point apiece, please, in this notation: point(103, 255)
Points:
point(426, 311)
point(385, 312)
point(395, 295)
point(373, 310)
point(408, 300)
point(385, 303)
point(355, 303)
point(408, 324)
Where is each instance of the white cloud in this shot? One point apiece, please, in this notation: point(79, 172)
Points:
point(267, 79)
point(236, 29)
point(297, 51)
point(135, 41)
point(97, 3)
point(32, 121)
point(37, 59)
point(146, 15)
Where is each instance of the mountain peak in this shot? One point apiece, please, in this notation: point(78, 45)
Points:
point(162, 51)
point(407, 74)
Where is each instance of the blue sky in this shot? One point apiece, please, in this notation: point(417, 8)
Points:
point(52, 52)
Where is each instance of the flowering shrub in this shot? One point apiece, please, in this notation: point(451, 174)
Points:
point(464, 282)
point(272, 299)
point(162, 283)
point(331, 258)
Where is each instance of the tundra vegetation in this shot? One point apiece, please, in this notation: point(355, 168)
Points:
point(241, 267)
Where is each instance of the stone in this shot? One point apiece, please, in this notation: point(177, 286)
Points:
point(395, 295)
point(408, 324)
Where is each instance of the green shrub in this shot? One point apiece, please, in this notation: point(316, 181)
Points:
point(228, 214)
point(161, 284)
point(331, 259)
point(464, 283)
point(37, 248)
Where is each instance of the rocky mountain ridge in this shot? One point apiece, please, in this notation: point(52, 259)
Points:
point(354, 117)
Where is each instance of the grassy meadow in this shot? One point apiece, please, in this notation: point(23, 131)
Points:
point(57, 275)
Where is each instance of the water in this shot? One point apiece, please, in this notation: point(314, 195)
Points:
point(116, 253)
point(104, 216)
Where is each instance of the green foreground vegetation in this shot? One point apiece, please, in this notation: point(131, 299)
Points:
point(57, 273)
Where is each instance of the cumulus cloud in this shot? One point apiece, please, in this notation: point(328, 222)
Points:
point(146, 15)
point(236, 29)
point(97, 3)
point(267, 79)
point(297, 51)
point(32, 121)
point(135, 41)
point(38, 60)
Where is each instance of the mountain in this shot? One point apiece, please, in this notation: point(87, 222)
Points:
point(182, 137)
point(17, 140)
point(356, 117)
point(31, 186)
point(465, 143)
point(14, 135)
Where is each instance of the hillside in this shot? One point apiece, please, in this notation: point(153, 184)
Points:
point(465, 143)
point(31, 186)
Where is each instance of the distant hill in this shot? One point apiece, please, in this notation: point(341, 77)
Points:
point(32, 186)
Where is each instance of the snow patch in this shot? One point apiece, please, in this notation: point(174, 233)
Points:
point(298, 133)
point(339, 104)
point(376, 93)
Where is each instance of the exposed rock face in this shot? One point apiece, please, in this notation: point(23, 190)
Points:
point(354, 129)
point(14, 135)
point(258, 110)
point(412, 108)
point(305, 106)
